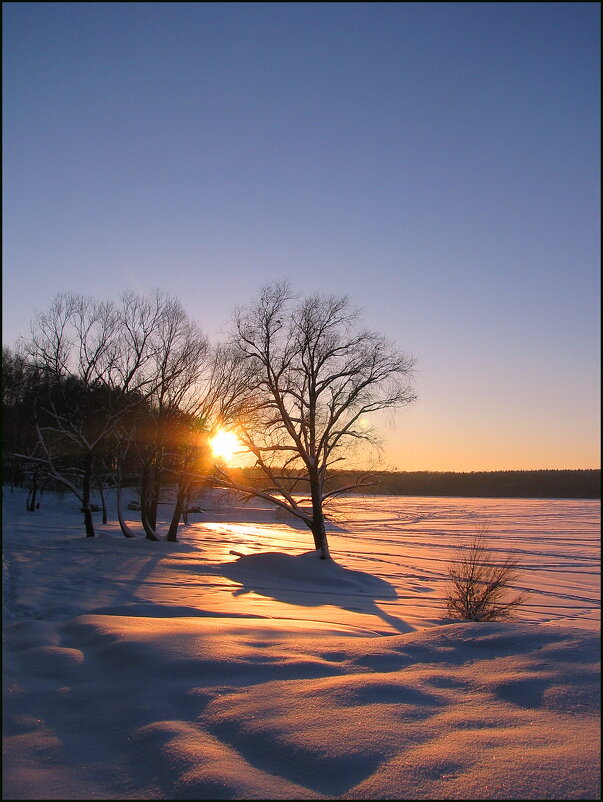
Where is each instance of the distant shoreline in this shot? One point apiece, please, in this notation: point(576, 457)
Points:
point(545, 484)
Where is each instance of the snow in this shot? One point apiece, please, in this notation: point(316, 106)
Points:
point(237, 665)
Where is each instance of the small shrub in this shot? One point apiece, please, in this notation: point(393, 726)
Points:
point(479, 583)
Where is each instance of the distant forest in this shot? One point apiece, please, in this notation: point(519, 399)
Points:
point(498, 484)
point(484, 484)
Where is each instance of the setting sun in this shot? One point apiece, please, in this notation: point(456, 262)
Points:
point(225, 445)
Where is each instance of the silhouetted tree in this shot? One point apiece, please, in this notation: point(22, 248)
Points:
point(317, 375)
point(219, 399)
point(178, 361)
point(20, 383)
point(96, 359)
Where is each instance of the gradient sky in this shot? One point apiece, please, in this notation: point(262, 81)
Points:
point(437, 162)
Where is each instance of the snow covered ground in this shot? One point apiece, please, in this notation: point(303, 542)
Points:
point(139, 670)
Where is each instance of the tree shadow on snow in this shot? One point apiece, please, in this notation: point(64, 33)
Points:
point(307, 581)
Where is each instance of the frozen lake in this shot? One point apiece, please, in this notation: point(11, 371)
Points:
point(403, 543)
point(409, 541)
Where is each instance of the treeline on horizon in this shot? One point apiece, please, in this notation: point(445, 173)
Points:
point(497, 484)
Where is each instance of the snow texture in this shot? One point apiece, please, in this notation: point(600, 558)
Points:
point(237, 665)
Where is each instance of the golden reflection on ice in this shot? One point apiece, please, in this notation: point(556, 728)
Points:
point(257, 534)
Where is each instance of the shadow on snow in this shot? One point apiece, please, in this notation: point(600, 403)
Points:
point(306, 581)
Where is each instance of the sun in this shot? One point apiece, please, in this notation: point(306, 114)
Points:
point(225, 445)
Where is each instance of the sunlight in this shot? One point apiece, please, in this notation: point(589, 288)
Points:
point(225, 445)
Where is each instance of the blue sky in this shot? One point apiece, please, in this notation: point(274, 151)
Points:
point(439, 163)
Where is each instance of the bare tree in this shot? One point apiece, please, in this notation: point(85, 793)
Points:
point(317, 375)
point(97, 360)
point(219, 400)
point(73, 345)
point(20, 383)
point(179, 362)
point(197, 389)
point(137, 366)
point(479, 582)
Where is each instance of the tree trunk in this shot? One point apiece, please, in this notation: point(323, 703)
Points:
point(42, 489)
point(144, 503)
point(125, 529)
point(88, 523)
point(31, 501)
point(183, 486)
point(318, 519)
point(155, 486)
point(187, 501)
point(99, 483)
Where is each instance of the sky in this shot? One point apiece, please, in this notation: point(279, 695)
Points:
point(437, 162)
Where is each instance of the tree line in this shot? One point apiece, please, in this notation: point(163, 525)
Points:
point(579, 483)
point(584, 483)
point(107, 389)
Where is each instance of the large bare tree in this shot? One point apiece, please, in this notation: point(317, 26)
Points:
point(317, 374)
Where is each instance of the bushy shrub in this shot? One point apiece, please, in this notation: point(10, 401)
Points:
point(479, 583)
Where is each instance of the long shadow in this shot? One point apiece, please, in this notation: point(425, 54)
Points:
point(306, 581)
